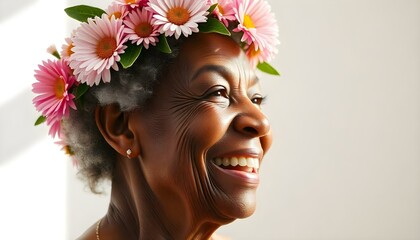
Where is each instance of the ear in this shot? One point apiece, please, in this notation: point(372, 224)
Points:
point(114, 127)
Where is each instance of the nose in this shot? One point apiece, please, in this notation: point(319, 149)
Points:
point(251, 121)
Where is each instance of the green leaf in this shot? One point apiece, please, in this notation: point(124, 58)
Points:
point(212, 7)
point(132, 52)
point(163, 45)
point(40, 120)
point(213, 25)
point(80, 90)
point(83, 12)
point(267, 68)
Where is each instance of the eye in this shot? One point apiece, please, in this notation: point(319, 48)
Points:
point(257, 100)
point(220, 93)
point(216, 92)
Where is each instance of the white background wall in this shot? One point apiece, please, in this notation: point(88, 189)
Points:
point(345, 163)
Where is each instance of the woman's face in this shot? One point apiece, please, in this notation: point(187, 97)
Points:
point(203, 134)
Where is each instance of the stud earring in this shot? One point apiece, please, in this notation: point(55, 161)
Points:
point(129, 153)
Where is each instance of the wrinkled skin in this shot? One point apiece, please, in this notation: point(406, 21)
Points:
point(207, 107)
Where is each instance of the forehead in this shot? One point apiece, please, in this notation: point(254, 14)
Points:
point(213, 53)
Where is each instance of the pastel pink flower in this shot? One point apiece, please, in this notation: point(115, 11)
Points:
point(98, 45)
point(258, 25)
point(176, 17)
point(66, 49)
point(53, 100)
point(140, 29)
point(224, 11)
point(118, 10)
point(256, 56)
point(132, 3)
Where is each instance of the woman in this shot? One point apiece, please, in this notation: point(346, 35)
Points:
point(180, 135)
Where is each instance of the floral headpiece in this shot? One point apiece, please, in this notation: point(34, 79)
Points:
point(115, 38)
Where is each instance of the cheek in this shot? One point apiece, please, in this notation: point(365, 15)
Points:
point(199, 123)
point(199, 127)
point(208, 126)
point(176, 164)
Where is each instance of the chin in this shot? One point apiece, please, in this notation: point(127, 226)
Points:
point(235, 202)
point(234, 193)
point(241, 206)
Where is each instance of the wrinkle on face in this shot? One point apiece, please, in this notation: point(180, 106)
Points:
point(193, 120)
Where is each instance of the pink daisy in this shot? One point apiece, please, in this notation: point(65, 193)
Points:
point(98, 45)
point(55, 125)
point(66, 49)
point(179, 17)
point(140, 29)
point(256, 56)
point(132, 3)
point(257, 23)
point(224, 11)
point(117, 9)
point(53, 99)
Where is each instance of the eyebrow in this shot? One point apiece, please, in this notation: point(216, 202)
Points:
point(221, 70)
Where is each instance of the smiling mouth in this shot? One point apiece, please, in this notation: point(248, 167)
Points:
point(244, 164)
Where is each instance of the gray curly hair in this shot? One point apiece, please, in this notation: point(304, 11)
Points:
point(129, 88)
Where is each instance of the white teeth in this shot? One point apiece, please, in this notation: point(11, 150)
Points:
point(250, 162)
point(226, 162)
point(234, 161)
point(241, 161)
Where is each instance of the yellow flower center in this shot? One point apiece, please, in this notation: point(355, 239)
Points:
point(178, 15)
point(67, 149)
point(143, 29)
point(130, 1)
point(221, 10)
point(252, 52)
point(59, 87)
point(248, 23)
point(117, 15)
point(106, 47)
point(68, 50)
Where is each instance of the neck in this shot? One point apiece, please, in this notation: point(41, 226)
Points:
point(136, 212)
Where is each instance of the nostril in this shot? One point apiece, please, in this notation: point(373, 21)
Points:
point(251, 130)
point(251, 123)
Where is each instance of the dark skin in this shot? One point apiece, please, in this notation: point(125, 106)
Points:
point(208, 107)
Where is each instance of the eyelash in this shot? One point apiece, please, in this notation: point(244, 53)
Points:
point(222, 92)
point(258, 100)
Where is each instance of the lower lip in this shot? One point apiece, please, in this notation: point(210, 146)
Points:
point(244, 177)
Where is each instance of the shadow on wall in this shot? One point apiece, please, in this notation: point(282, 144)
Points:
point(17, 131)
point(10, 8)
